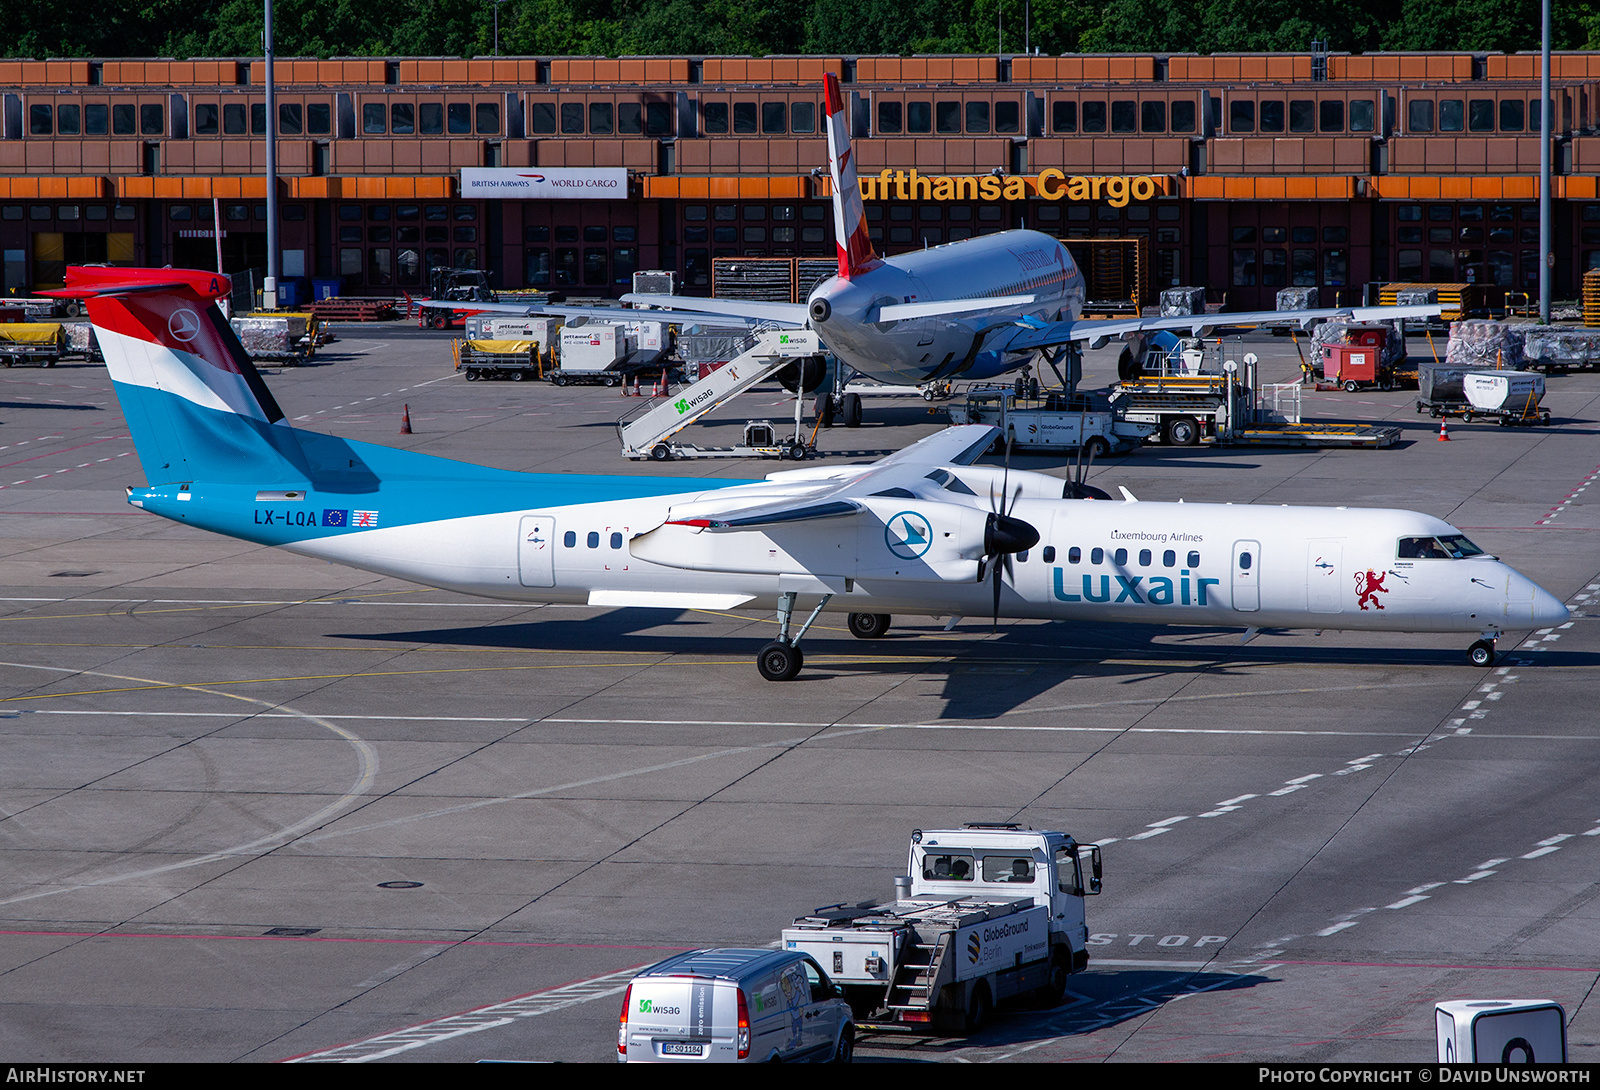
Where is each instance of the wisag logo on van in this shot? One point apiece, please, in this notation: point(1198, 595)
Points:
point(647, 1006)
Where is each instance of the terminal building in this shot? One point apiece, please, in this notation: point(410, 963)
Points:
point(1243, 173)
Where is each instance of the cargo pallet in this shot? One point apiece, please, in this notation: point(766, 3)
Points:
point(1315, 435)
point(338, 308)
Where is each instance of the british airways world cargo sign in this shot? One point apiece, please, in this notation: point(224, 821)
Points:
point(544, 183)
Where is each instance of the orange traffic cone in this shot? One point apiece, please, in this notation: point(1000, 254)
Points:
point(1444, 436)
point(661, 386)
point(625, 391)
point(405, 421)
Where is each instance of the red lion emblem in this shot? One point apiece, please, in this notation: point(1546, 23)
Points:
point(1369, 584)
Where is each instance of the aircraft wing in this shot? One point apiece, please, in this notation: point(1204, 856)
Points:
point(1047, 334)
point(562, 310)
point(830, 492)
point(788, 314)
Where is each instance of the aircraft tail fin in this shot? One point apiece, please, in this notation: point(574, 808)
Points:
point(195, 404)
point(849, 214)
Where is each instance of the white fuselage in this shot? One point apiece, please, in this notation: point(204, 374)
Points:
point(1161, 563)
point(1007, 264)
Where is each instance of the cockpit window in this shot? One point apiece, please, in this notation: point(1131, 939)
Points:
point(951, 867)
point(1449, 547)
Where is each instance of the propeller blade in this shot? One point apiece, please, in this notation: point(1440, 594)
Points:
point(994, 623)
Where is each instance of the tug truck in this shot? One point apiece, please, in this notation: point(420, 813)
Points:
point(989, 913)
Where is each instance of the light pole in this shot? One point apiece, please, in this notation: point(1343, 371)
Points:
point(497, 4)
point(1546, 254)
point(269, 294)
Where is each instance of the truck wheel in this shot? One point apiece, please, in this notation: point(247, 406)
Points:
point(797, 452)
point(845, 1051)
point(612, 380)
point(977, 1010)
point(472, 376)
point(869, 626)
point(660, 453)
point(1097, 447)
point(558, 379)
point(1182, 432)
point(1351, 386)
point(440, 321)
point(517, 376)
point(1055, 985)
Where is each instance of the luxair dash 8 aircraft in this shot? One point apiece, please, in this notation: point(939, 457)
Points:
point(970, 309)
point(923, 531)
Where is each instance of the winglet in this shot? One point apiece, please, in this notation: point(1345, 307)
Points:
point(1126, 495)
point(849, 214)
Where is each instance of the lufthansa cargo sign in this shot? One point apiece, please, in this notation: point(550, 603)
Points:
point(544, 183)
point(1049, 184)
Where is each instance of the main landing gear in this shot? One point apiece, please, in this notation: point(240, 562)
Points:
point(782, 659)
point(869, 626)
point(1481, 653)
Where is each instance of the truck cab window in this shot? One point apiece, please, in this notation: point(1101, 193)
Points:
point(1008, 868)
point(952, 867)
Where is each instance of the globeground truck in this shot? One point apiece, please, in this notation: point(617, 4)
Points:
point(989, 912)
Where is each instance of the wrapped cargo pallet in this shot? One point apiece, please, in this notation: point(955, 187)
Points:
point(1297, 299)
point(81, 341)
point(1182, 302)
point(1479, 343)
point(1336, 332)
point(1560, 347)
point(1439, 382)
point(274, 336)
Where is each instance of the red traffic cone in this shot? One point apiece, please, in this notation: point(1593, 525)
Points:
point(405, 421)
point(1444, 436)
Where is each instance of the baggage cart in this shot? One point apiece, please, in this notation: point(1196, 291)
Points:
point(514, 360)
point(38, 343)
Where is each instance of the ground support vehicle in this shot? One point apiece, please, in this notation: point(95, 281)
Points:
point(1056, 421)
point(1187, 408)
point(1510, 397)
point(990, 912)
point(735, 1006)
point(514, 360)
point(651, 430)
point(1355, 367)
point(39, 343)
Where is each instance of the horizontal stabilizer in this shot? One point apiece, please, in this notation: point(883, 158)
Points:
point(793, 314)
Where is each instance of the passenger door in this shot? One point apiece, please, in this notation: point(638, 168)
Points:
point(1247, 576)
point(536, 551)
point(822, 1013)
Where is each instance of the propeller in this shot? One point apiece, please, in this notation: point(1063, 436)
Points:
point(1075, 488)
point(1003, 535)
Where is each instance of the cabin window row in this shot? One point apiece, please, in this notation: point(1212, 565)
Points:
point(592, 539)
point(1119, 557)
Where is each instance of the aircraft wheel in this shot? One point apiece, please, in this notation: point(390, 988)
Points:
point(660, 453)
point(1481, 653)
point(852, 410)
point(825, 409)
point(1182, 432)
point(869, 626)
point(779, 661)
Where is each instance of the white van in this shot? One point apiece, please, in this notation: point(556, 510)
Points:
point(735, 1006)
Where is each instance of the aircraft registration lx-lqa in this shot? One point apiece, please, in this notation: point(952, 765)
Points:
point(922, 531)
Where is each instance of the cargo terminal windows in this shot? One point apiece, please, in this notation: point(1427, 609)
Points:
point(976, 115)
point(1427, 113)
point(1248, 114)
point(600, 115)
point(770, 115)
point(407, 116)
point(1145, 114)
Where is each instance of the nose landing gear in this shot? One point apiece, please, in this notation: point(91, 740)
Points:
point(1481, 653)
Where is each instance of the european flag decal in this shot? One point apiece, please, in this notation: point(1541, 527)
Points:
point(335, 518)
